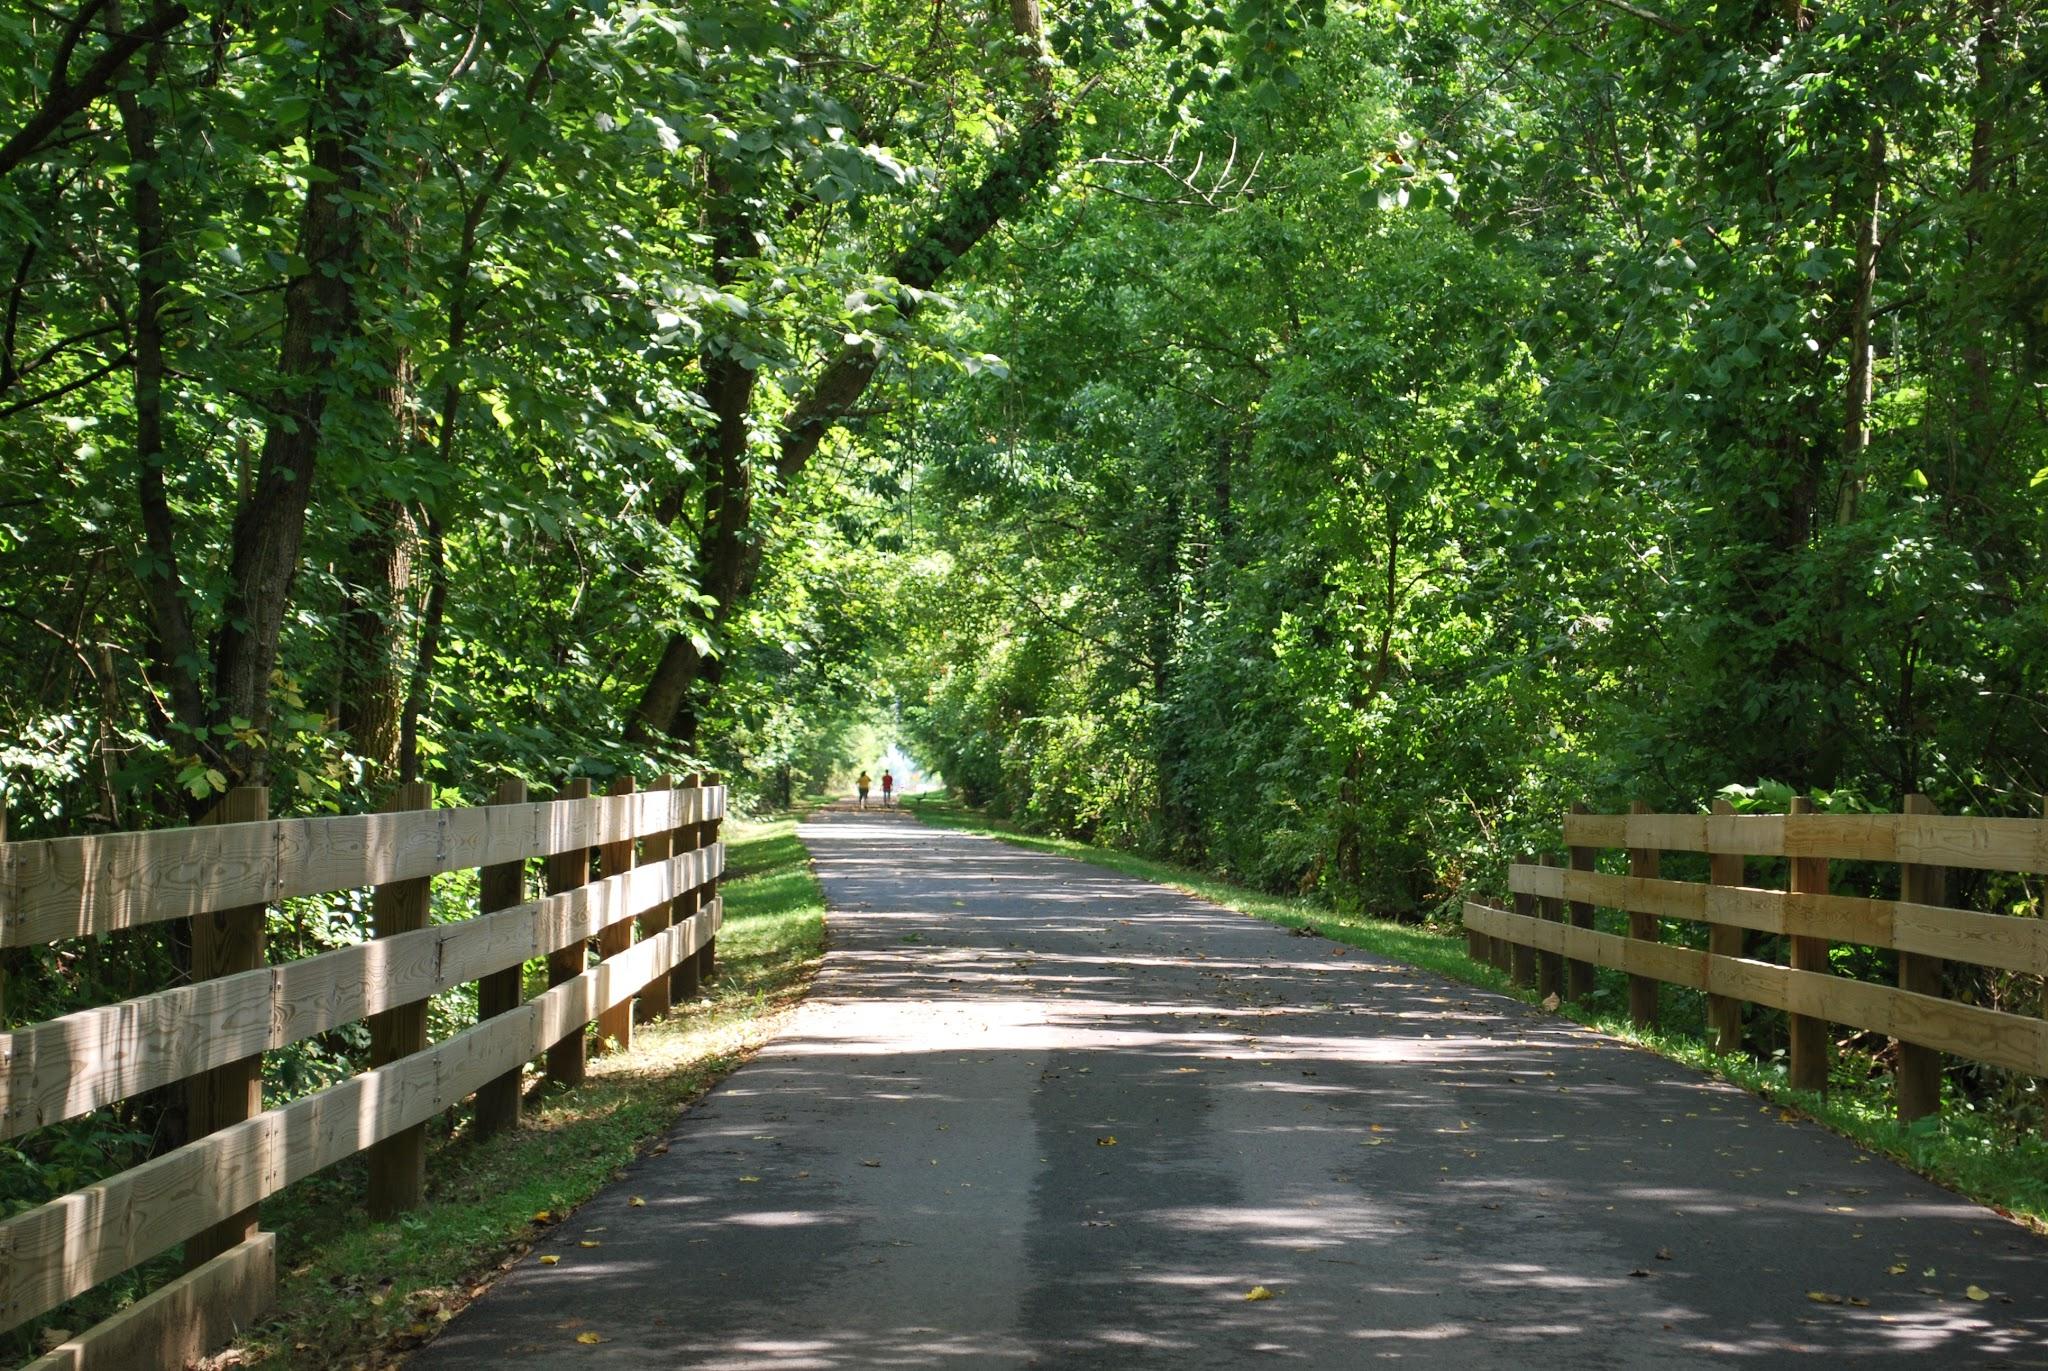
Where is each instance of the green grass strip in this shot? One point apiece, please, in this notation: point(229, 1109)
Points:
point(352, 1292)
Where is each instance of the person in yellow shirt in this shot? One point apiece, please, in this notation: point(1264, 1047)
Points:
point(863, 782)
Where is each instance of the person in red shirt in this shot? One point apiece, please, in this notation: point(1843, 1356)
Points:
point(888, 785)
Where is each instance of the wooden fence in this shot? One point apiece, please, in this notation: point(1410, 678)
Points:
point(658, 859)
point(1548, 941)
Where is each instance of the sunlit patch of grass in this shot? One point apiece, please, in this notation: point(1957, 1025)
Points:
point(1960, 1149)
point(353, 1293)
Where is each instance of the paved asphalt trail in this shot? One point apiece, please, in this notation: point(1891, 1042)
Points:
point(919, 1172)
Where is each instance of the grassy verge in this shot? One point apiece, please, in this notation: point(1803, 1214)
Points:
point(356, 1294)
point(1960, 1149)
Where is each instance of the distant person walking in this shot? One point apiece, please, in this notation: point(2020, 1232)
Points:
point(888, 787)
point(863, 782)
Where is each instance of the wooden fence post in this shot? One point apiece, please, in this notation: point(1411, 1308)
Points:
point(1578, 975)
point(501, 992)
point(682, 980)
point(707, 969)
point(1809, 1036)
point(1919, 1078)
point(398, 1164)
point(1643, 863)
point(1522, 957)
point(615, 1025)
point(1724, 1012)
point(1550, 965)
point(224, 942)
point(566, 871)
point(656, 849)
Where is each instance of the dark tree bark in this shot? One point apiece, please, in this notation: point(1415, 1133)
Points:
point(320, 318)
point(175, 646)
point(379, 596)
point(730, 553)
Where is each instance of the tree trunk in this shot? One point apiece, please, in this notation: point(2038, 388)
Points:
point(170, 619)
point(373, 633)
point(731, 551)
point(320, 318)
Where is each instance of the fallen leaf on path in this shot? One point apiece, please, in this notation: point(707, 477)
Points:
point(1109, 1141)
point(749, 1180)
point(1859, 1302)
point(1640, 1274)
point(637, 1202)
point(591, 1339)
point(1823, 1297)
point(1664, 1254)
point(1260, 1292)
point(865, 1162)
point(1977, 1292)
point(1898, 1270)
point(543, 1216)
point(588, 1242)
point(549, 1260)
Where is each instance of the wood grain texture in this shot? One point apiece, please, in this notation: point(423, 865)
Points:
point(1807, 1067)
point(1918, 1078)
point(398, 1163)
point(65, 1067)
point(499, 887)
point(1648, 836)
point(1550, 963)
point(1984, 844)
point(226, 943)
point(615, 1025)
point(2018, 1042)
point(1522, 956)
point(1999, 940)
point(68, 887)
point(568, 868)
point(61, 1249)
point(178, 1323)
point(1578, 975)
point(653, 1002)
point(1724, 1014)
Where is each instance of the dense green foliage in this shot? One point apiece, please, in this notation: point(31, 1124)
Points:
point(1316, 443)
point(1532, 405)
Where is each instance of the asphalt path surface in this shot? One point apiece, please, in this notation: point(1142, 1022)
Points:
point(1037, 1114)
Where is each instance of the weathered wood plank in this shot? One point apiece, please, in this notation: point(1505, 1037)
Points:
point(615, 1025)
point(1725, 870)
point(2015, 1041)
point(227, 942)
point(1807, 1028)
point(1578, 975)
point(398, 1163)
point(567, 869)
point(1522, 956)
point(65, 1067)
point(62, 1249)
point(1918, 1080)
point(1595, 830)
point(655, 848)
point(67, 887)
point(178, 1323)
point(1648, 835)
point(500, 887)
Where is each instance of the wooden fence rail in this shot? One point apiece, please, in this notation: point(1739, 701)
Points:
point(1925, 933)
point(661, 862)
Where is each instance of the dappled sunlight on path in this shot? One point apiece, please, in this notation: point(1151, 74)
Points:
point(1036, 1114)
